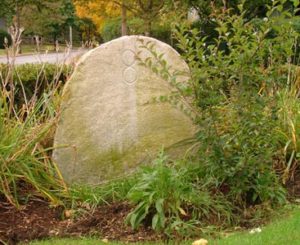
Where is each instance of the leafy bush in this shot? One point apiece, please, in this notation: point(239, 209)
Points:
point(244, 92)
point(236, 92)
point(4, 35)
point(239, 152)
point(245, 81)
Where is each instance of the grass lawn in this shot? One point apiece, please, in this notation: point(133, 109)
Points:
point(31, 49)
point(2, 51)
point(282, 231)
point(26, 49)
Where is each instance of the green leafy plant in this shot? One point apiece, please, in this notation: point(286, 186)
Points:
point(239, 90)
point(235, 80)
point(172, 200)
point(158, 188)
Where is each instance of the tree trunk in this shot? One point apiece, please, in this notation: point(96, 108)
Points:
point(148, 28)
point(71, 37)
point(18, 23)
point(124, 19)
point(55, 43)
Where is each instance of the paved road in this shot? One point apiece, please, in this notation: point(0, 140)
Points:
point(50, 57)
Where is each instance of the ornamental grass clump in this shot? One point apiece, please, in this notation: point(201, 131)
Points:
point(25, 167)
point(26, 122)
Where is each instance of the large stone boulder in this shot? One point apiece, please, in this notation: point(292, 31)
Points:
point(108, 123)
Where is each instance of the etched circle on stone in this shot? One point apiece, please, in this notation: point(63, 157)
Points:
point(128, 57)
point(129, 75)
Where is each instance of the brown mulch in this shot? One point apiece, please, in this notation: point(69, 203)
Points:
point(109, 221)
point(36, 220)
point(293, 185)
point(33, 221)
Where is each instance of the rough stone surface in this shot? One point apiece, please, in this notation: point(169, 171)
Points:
point(108, 124)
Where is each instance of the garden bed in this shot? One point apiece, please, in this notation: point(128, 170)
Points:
point(36, 220)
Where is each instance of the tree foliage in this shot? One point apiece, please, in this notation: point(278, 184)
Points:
point(97, 10)
point(50, 20)
point(102, 11)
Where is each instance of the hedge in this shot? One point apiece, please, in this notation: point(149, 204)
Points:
point(35, 77)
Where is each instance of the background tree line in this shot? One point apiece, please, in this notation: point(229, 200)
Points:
point(103, 20)
point(48, 19)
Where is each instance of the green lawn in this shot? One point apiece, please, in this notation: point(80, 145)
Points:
point(283, 231)
point(31, 49)
point(26, 49)
point(2, 51)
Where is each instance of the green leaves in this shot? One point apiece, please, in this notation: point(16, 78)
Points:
point(235, 77)
point(156, 191)
point(158, 220)
point(170, 195)
point(138, 215)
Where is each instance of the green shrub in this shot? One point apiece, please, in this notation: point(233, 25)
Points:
point(244, 96)
point(4, 35)
point(236, 91)
point(33, 79)
point(240, 151)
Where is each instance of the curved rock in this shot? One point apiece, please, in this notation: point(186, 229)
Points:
point(108, 125)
